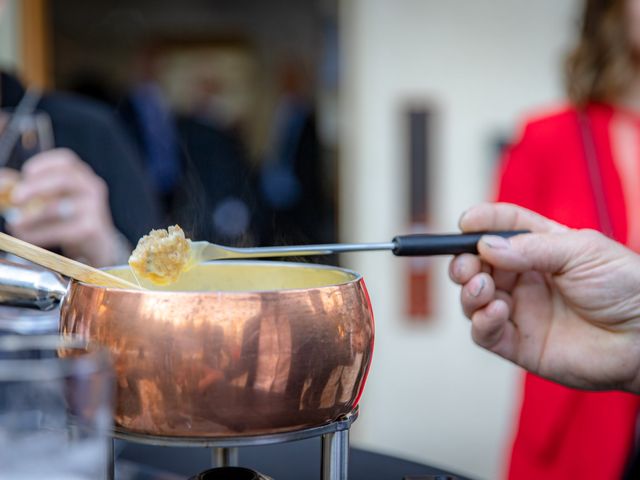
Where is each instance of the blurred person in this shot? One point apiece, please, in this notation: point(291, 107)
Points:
point(86, 197)
point(155, 126)
point(199, 169)
point(564, 304)
point(580, 165)
point(216, 197)
point(291, 176)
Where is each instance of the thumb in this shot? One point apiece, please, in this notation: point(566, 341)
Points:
point(543, 252)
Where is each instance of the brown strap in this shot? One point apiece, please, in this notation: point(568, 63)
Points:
point(595, 174)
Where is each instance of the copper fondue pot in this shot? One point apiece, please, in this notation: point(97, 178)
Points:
point(235, 349)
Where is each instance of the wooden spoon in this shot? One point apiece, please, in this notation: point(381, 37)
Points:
point(58, 263)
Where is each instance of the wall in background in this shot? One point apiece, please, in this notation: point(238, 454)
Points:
point(9, 35)
point(104, 38)
point(432, 395)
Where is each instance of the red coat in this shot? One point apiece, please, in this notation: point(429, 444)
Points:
point(565, 433)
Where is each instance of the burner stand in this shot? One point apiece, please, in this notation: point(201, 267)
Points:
point(224, 451)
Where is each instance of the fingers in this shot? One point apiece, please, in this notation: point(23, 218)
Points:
point(56, 173)
point(492, 329)
point(475, 294)
point(505, 216)
point(463, 267)
point(9, 178)
point(56, 188)
point(54, 160)
point(547, 252)
point(55, 223)
point(53, 186)
point(47, 235)
point(61, 202)
point(504, 279)
point(489, 310)
point(38, 212)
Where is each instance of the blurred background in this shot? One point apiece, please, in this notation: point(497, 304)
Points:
point(331, 120)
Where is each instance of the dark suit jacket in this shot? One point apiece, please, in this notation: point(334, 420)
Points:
point(92, 131)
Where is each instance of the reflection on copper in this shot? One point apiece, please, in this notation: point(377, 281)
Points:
point(221, 364)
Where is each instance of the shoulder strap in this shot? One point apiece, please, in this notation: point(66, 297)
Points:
point(595, 174)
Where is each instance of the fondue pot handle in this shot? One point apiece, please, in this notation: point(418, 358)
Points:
point(454, 244)
point(29, 286)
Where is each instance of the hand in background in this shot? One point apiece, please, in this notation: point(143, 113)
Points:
point(62, 203)
point(564, 304)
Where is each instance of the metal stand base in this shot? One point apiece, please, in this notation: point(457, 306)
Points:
point(335, 455)
point(111, 460)
point(224, 457)
point(224, 451)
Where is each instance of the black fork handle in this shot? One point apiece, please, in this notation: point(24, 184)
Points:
point(448, 244)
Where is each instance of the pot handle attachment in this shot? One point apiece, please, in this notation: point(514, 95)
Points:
point(453, 244)
point(29, 286)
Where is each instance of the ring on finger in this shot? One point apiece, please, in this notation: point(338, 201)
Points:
point(65, 209)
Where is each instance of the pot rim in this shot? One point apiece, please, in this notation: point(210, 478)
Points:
point(355, 278)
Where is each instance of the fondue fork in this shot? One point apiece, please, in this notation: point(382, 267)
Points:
point(402, 245)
